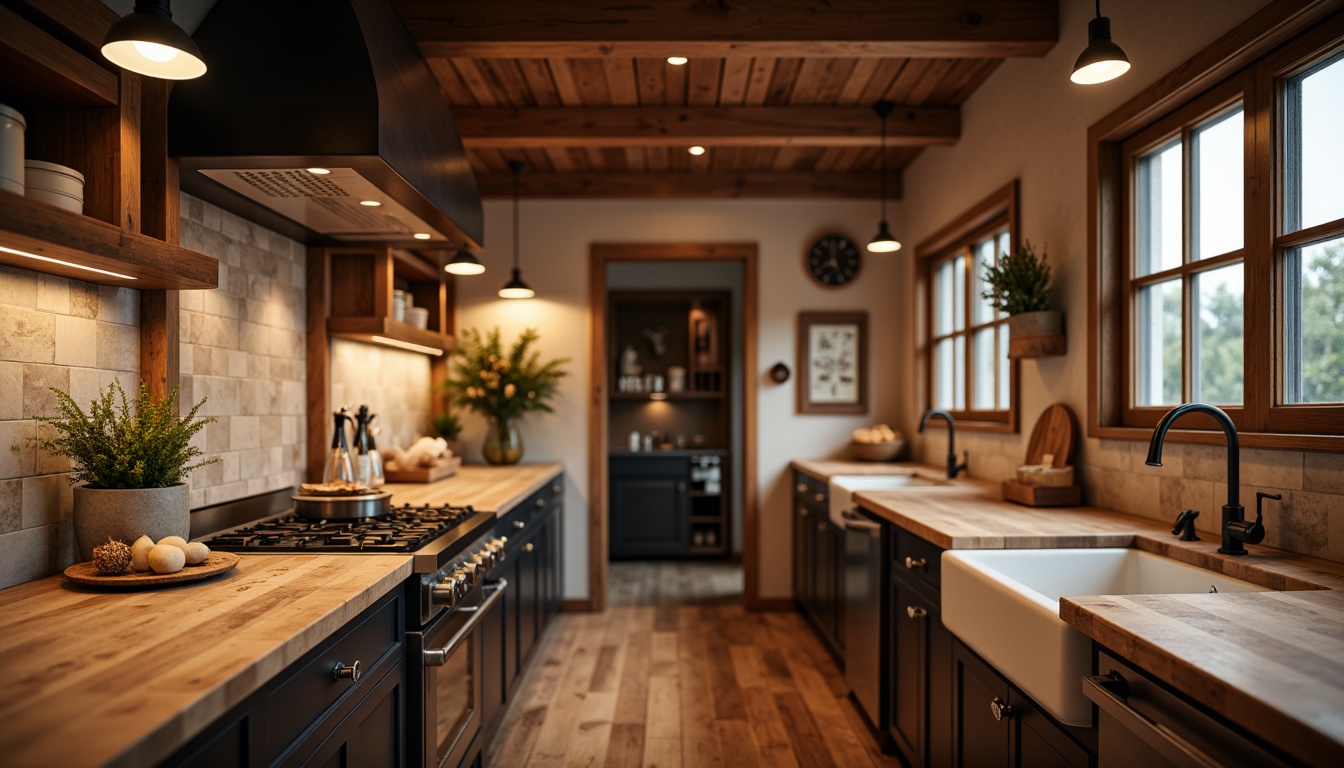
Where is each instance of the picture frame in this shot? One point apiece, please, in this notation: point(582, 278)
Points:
point(832, 362)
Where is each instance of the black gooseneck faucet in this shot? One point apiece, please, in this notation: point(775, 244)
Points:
point(1235, 527)
point(953, 468)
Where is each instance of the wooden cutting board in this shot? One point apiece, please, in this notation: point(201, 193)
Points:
point(1053, 435)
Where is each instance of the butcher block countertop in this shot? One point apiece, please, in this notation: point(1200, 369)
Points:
point(488, 489)
point(99, 677)
point(1272, 662)
point(825, 469)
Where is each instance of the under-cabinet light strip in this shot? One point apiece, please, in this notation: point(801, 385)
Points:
point(408, 345)
point(64, 263)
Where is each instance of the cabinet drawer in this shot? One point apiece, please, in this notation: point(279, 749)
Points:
point(311, 689)
point(917, 557)
point(810, 490)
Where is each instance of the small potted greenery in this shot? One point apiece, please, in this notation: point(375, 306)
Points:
point(502, 387)
point(1020, 285)
point(131, 461)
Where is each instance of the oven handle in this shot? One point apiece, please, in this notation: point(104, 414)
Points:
point(437, 657)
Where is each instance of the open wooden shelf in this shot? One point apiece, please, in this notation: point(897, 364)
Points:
point(45, 230)
point(45, 70)
point(670, 395)
point(365, 328)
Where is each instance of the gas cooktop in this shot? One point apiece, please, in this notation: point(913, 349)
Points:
point(432, 534)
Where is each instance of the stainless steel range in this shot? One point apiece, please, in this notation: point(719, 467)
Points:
point(448, 597)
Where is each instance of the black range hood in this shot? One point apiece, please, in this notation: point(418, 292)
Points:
point(326, 85)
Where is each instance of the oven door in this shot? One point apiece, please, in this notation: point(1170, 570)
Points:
point(446, 668)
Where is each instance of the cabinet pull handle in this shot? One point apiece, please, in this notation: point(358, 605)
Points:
point(346, 672)
point(519, 525)
point(529, 546)
point(802, 487)
point(437, 657)
point(915, 612)
point(915, 563)
point(999, 709)
point(820, 497)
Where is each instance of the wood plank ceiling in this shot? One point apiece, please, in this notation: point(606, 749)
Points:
point(779, 93)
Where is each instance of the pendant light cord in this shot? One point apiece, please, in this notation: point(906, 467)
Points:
point(883, 152)
point(517, 168)
point(1098, 9)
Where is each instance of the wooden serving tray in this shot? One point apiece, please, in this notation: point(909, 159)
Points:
point(1042, 495)
point(424, 474)
point(215, 564)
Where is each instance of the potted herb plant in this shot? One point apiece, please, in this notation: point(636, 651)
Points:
point(502, 387)
point(131, 463)
point(449, 427)
point(1019, 284)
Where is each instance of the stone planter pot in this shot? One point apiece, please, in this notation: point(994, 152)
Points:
point(1036, 334)
point(129, 513)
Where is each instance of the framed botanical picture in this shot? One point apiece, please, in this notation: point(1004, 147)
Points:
point(833, 362)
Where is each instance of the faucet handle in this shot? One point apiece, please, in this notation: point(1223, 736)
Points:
point(1185, 525)
point(1253, 532)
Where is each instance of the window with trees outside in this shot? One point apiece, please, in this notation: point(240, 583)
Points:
point(1228, 263)
point(969, 373)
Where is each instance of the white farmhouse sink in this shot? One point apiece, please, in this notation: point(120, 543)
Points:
point(843, 487)
point(1004, 605)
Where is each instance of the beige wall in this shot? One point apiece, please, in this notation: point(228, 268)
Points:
point(1029, 122)
point(555, 241)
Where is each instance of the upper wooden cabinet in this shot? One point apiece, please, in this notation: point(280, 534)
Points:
point(109, 125)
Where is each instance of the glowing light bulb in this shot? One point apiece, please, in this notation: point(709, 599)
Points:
point(696, 150)
point(155, 51)
point(676, 61)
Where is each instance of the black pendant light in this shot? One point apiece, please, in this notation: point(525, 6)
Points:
point(1102, 59)
point(464, 263)
point(148, 42)
point(516, 288)
point(883, 241)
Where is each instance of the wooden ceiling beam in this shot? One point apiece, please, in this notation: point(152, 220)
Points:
point(666, 185)
point(536, 127)
point(724, 28)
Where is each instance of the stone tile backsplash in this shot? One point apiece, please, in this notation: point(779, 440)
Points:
point(68, 334)
point(394, 384)
point(242, 346)
point(1309, 520)
point(243, 350)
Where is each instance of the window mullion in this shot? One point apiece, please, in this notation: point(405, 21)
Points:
point(1188, 208)
point(1262, 277)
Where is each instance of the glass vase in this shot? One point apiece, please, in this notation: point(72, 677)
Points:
point(503, 443)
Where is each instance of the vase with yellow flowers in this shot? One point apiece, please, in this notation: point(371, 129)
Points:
point(502, 386)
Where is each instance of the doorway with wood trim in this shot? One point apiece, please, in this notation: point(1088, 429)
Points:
point(607, 381)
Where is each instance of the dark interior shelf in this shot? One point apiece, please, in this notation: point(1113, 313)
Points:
point(670, 395)
point(67, 241)
point(46, 71)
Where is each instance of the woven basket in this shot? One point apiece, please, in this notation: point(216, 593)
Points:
point(876, 451)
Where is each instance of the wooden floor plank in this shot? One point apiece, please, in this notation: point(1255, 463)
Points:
point(675, 673)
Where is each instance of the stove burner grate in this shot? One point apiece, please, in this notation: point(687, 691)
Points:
point(405, 529)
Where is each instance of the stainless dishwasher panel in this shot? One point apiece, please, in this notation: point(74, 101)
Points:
point(862, 568)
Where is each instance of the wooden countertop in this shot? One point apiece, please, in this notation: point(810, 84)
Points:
point(487, 488)
point(825, 469)
point(98, 677)
point(1272, 662)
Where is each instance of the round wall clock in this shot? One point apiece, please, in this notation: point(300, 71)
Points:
point(833, 261)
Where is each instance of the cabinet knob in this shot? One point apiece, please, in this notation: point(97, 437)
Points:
point(519, 525)
point(556, 488)
point(529, 546)
point(540, 503)
point(820, 497)
point(802, 511)
point(821, 527)
point(802, 487)
point(346, 672)
point(915, 612)
point(915, 563)
point(999, 709)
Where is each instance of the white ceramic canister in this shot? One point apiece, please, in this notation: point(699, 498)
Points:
point(55, 184)
point(12, 126)
point(399, 305)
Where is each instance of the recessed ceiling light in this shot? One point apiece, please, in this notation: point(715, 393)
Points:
point(696, 150)
point(676, 61)
point(319, 171)
point(370, 203)
point(421, 235)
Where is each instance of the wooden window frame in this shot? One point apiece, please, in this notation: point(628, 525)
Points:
point(1253, 60)
point(998, 210)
